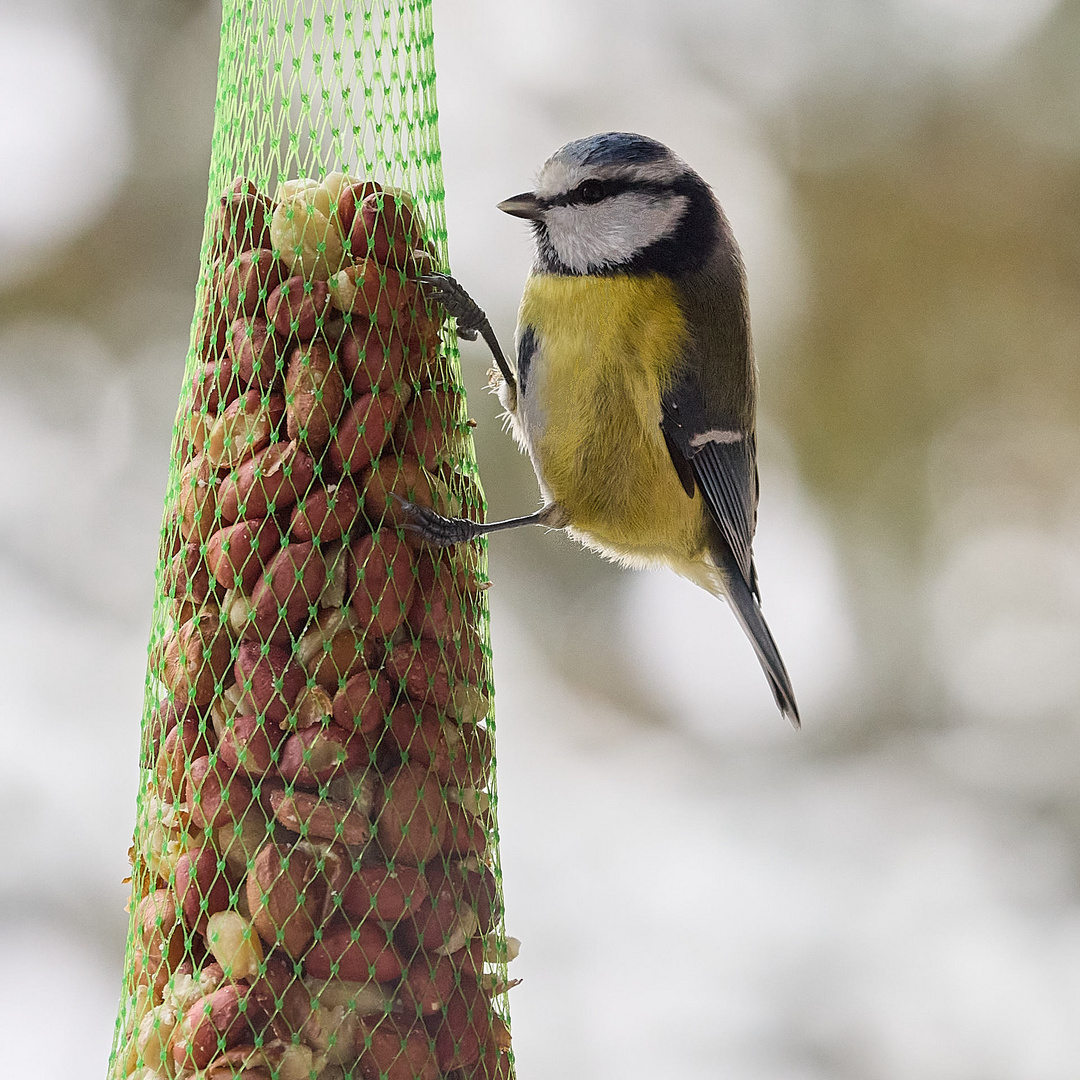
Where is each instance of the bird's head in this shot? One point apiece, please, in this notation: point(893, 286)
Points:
point(619, 202)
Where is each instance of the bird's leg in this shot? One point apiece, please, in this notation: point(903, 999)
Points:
point(445, 531)
point(471, 320)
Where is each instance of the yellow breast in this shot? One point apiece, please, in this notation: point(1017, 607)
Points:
point(608, 348)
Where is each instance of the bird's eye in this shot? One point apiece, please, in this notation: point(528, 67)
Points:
point(591, 191)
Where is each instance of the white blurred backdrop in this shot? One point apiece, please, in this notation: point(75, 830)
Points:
point(890, 894)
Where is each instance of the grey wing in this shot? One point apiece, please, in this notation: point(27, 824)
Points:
point(721, 457)
point(726, 472)
point(721, 460)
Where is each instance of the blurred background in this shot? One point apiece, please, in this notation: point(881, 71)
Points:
point(890, 894)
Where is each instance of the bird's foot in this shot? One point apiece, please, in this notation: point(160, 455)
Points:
point(435, 529)
point(444, 289)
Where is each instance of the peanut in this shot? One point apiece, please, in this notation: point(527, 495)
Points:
point(317, 754)
point(285, 894)
point(243, 428)
point(288, 589)
point(200, 888)
point(197, 498)
point(238, 554)
point(270, 680)
point(297, 306)
point(214, 795)
point(412, 819)
point(307, 814)
point(364, 428)
point(250, 278)
point(353, 953)
point(256, 351)
point(234, 944)
point(304, 237)
point(315, 395)
point(197, 658)
point(381, 582)
point(271, 480)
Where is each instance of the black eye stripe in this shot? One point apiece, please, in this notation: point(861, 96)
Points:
point(611, 188)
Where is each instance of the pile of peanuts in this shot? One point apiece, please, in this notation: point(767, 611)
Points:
point(313, 893)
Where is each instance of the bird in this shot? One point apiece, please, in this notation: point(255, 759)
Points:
point(635, 384)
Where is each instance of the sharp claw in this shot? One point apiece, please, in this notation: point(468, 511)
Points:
point(432, 526)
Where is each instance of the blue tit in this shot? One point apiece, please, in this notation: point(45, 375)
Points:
point(635, 385)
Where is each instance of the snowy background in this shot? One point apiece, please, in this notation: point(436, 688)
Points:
point(891, 894)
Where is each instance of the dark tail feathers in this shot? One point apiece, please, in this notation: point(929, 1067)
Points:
point(748, 612)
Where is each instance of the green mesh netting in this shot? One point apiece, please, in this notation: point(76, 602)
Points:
point(315, 877)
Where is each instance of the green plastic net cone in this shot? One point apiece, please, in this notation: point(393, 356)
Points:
point(315, 879)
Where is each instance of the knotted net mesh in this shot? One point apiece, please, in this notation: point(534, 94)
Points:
point(315, 879)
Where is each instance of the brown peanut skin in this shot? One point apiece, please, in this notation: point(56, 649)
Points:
point(237, 554)
point(215, 795)
point(184, 742)
point(256, 351)
point(269, 678)
point(427, 427)
point(392, 1051)
point(420, 670)
point(315, 395)
point(250, 278)
point(418, 735)
point(159, 938)
point(215, 1021)
point(241, 221)
point(344, 659)
point(359, 704)
point(412, 821)
point(370, 358)
point(440, 609)
point(271, 480)
point(434, 918)
point(429, 981)
point(197, 658)
point(285, 894)
point(470, 754)
point(289, 587)
point(200, 887)
point(243, 428)
point(211, 331)
point(296, 307)
point(381, 582)
point(212, 386)
point(392, 478)
point(355, 953)
point(381, 893)
point(385, 229)
point(186, 576)
point(465, 1029)
point(308, 814)
point(249, 744)
point(328, 513)
point(350, 198)
point(365, 427)
point(282, 983)
point(465, 835)
point(197, 500)
point(319, 753)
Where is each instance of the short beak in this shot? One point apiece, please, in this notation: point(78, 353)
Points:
point(525, 205)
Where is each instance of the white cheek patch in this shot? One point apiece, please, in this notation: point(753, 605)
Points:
point(612, 231)
point(698, 441)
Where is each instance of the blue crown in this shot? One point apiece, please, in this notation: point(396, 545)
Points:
point(615, 148)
